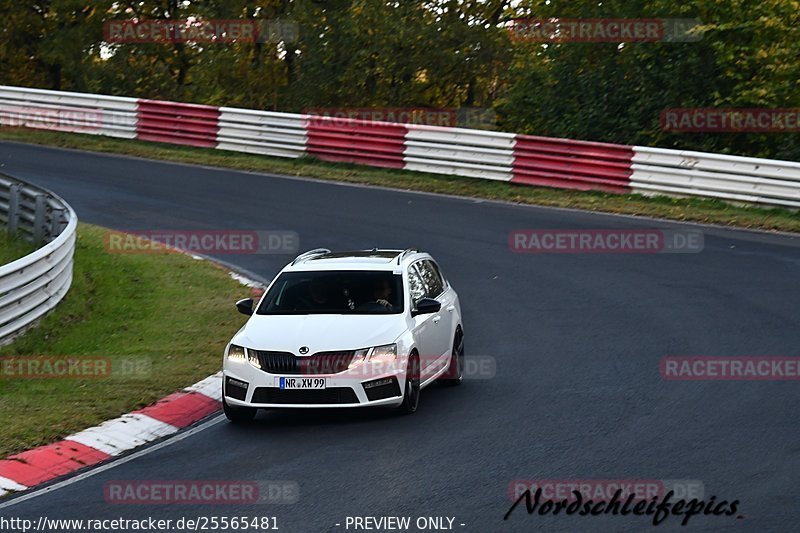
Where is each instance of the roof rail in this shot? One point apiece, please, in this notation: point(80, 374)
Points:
point(311, 253)
point(405, 253)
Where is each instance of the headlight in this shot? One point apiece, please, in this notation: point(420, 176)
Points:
point(358, 357)
point(236, 353)
point(383, 354)
point(241, 354)
point(377, 354)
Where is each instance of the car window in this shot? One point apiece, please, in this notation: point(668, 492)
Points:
point(438, 272)
point(334, 292)
point(430, 276)
point(416, 287)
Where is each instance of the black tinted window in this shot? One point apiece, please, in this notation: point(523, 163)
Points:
point(439, 274)
point(339, 292)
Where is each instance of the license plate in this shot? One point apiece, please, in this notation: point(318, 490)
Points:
point(301, 383)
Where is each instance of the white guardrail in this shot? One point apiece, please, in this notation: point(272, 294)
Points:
point(262, 132)
point(33, 285)
point(735, 178)
point(460, 152)
point(521, 159)
point(112, 116)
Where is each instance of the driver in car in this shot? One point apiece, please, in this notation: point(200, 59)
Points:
point(319, 295)
point(382, 293)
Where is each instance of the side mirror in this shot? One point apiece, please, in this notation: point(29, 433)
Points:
point(426, 306)
point(245, 306)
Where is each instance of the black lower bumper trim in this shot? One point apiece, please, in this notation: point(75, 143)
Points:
point(379, 389)
point(332, 395)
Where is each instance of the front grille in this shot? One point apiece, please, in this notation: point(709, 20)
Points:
point(332, 395)
point(319, 363)
point(277, 362)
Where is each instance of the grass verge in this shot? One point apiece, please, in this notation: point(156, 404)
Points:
point(707, 211)
point(168, 313)
point(12, 248)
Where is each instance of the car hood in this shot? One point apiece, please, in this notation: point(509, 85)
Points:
point(320, 333)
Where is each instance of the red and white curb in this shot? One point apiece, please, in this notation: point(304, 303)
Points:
point(95, 445)
point(92, 446)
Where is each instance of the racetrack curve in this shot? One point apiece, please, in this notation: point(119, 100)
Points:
point(577, 340)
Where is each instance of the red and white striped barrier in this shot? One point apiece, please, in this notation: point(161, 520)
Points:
point(171, 122)
point(521, 159)
point(377, 144)
point(570, 164)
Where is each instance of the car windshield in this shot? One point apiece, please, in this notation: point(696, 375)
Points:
point(340, 292)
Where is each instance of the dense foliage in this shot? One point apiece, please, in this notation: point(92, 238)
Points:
point(434, 53)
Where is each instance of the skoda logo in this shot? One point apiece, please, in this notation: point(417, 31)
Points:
point(304, 350)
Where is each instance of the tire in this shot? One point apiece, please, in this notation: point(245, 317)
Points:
point(238, 415)
point(412, 386)
point(455, 372)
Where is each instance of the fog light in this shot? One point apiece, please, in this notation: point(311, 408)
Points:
point(377, 383)
point(236, 389)
point(379, 389)
point(238, 383)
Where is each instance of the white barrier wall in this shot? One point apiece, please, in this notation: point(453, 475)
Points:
point(744, 179)
point(262, 132)
point(461, 152)
point(112, 116)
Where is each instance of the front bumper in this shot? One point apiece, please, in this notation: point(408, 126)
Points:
point(367, 385)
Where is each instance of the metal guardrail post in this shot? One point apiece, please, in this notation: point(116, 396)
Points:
point(57, 222)
point(13, 208)
point(40, 219)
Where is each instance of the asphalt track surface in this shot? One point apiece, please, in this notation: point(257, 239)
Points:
point(577, 340)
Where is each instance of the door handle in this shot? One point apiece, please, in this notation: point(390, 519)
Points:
point(436, 319)
point(451, 308)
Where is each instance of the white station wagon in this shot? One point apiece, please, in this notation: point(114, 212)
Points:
point(345, 329)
